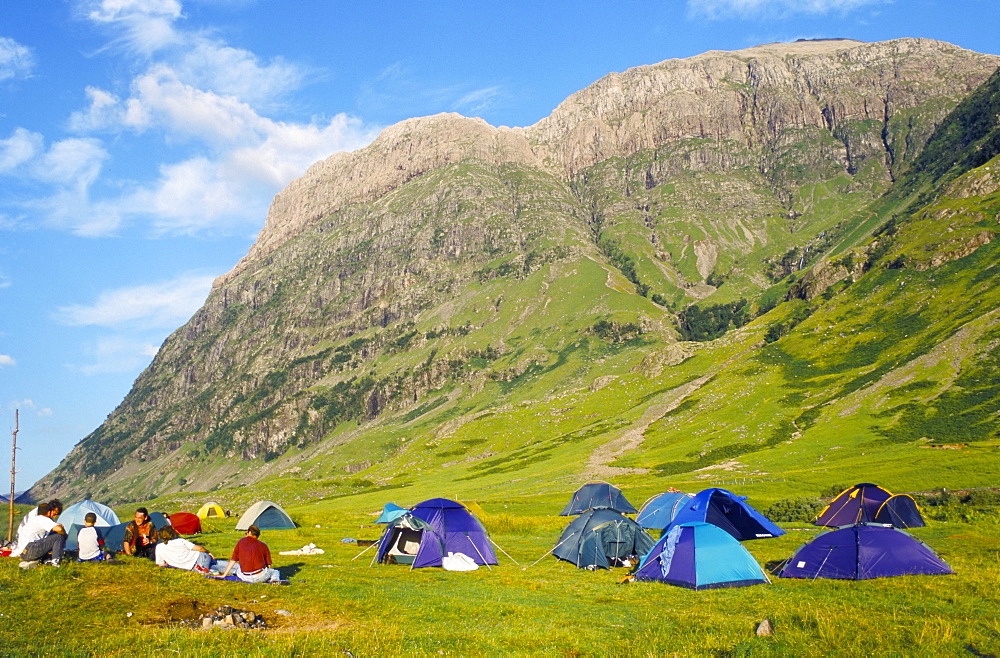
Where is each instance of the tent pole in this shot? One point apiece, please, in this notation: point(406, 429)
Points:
point(504, 552)
point(823, 563)
point(553, 548)
point(479, 552)
point(364, 551)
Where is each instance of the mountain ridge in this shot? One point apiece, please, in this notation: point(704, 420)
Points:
point(387, 308)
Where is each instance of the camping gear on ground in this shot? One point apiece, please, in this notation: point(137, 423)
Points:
point(657, 512)
point(870, 503)
point(72, 519)
point(432, 530)
point(863, 551)
point(114, 536)
point(602, 538)
point(209, 510)
point(458, 562)
point(728, 511)
point(598, 495)
point(308, 549)
point(267, 516)
point(700, 556)
point(186, 523)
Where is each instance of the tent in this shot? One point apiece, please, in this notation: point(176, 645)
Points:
point(114, 536)
point(186, 523)
point(598, 495)
point(602, 538)
point(863, 551)
point(209, 510)
point(870, 503)
point(657, 512)
point(72, 519)
point(728, 511)
point(431, 531)
point(700, 556)
point(391, 512)
point(267, 516)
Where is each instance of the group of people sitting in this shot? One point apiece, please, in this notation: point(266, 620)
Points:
point(41, 540)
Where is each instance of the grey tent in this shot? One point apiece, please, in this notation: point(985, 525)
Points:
point(597, 495)
point(266, 516)
point(602, 538)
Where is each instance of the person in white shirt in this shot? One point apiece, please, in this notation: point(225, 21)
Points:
point(41, 537)
point(174, 551)
point(91, 541)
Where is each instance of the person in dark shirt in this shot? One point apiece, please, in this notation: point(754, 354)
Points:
point(252, 560)
point(140, 536)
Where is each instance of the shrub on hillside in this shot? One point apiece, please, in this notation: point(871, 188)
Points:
point(800, 509)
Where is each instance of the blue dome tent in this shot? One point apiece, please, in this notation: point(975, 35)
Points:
point(728, 511)
point(700, 556)
point(72, 519)
point(430, 531)
point(863, 551)
point(657, 512)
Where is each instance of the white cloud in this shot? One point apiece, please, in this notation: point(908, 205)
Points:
point(7, 360)
point(478, 100)
point(145, 26)
point(29, 404)
point(117, 354)
point(105, 110)
point(162, 305)
point(229, 71)
point(71, 163)
point(774, 8)
point(204, 98)
point(16, 61)
point(19, 148)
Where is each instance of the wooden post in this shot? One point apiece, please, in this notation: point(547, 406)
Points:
point(13, 471)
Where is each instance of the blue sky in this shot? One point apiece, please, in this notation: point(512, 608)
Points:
point(141, 141)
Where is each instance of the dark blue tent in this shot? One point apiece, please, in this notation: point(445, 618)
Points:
point(863, 551)
point(728, 511)
point(870, 503)
point(700, 556)
point(659, 511)
point(598, 495)
point(432, 530)
point(602, 538)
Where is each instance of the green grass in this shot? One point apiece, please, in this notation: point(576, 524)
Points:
point(339, 603)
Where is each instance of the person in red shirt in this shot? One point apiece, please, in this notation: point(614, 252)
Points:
point(253, 559)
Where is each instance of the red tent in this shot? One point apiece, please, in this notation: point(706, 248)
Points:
point(185, 523)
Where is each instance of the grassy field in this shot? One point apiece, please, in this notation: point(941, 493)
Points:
point(340, 604)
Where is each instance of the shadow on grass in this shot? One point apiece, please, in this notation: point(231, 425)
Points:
point(288, 571)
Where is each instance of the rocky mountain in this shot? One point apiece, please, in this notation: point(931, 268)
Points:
point(475, 300)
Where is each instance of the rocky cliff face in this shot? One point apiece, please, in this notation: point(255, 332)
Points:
point(449, 255)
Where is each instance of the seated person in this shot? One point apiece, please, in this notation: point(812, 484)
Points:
point(253, 559)
point(90, 541)
point(41, 537)
point(140, 536)
point(179, 553)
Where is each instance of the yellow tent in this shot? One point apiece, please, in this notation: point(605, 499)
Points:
point(209, 510)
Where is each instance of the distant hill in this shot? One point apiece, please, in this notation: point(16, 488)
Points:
point(771, 263)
